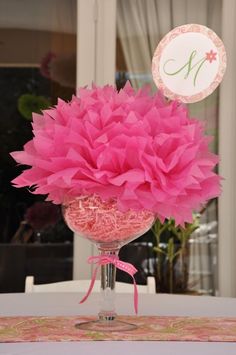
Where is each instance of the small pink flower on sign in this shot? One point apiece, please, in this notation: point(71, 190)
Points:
point(210, 56)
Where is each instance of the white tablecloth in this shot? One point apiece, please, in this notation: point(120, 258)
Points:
point(68, 304)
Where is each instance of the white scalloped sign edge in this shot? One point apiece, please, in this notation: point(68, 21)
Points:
point(189, 63)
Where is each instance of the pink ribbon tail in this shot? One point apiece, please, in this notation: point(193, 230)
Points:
point(135, 296)
point(91, 285)
point(121, 265)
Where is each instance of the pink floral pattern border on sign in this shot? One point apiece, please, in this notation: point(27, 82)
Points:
point(60, 329)
point(166, 40)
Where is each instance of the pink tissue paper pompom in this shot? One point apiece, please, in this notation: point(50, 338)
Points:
point(138, 148)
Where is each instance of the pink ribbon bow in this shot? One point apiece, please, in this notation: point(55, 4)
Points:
point(121, 265)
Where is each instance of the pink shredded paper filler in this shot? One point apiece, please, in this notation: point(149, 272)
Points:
point(103, 222)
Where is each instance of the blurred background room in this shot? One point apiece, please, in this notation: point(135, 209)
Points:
point(48, 49)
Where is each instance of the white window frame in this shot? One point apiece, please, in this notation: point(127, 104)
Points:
point(96, 54)
point(227, 166)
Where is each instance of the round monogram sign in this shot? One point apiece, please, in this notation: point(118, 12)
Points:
point(189, 63)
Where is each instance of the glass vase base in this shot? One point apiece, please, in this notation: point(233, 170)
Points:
point(106, 326)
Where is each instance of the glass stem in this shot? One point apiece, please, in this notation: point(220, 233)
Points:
point(108, 280)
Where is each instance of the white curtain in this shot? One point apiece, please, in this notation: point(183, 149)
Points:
point(147, 21)
point(141, 24)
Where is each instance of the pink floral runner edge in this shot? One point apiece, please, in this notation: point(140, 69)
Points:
point(57, 329)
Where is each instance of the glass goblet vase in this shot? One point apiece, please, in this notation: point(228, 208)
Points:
point(109, 228)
